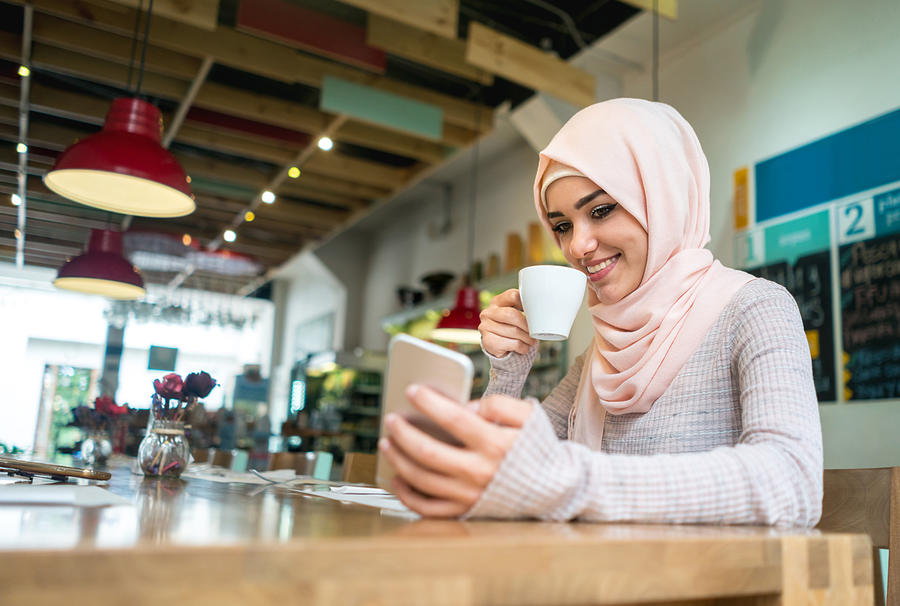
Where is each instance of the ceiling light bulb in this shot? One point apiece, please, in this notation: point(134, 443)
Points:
point(229, 235)
point(24, 71)
point(249, 216)
point(21, 148)
point(293, 172)
point(325, 143)
point(16, 199)
point(186, 239)
point(268, 197)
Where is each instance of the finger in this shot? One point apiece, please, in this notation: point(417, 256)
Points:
point(505, 329)
point(505, 410)
point(472, 430)
point(437, 456)
point(428, 507)
point(504, 315)
point(500, 346)
point(508, 298)
point(425, 481)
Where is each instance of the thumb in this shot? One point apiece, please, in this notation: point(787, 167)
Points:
point(505, 410)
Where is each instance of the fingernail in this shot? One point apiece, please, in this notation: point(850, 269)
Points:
point(411, 390)
point(390, 419)
point(383, 445)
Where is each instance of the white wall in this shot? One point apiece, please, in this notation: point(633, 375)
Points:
point(40, 325)
point(307, 290)
point(759, 78)
point(788, 73)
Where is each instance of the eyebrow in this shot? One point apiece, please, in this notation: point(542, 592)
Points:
point(581, 202)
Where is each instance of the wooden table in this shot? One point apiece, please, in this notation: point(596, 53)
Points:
point(198, 542)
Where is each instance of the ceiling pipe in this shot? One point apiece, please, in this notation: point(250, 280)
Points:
point(22, 172)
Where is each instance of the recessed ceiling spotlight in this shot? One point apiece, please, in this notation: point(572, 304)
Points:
point(325, 143)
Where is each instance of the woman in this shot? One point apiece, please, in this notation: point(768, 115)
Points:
point(695, 401)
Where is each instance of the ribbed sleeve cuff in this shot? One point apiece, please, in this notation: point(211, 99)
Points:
point(508, 373)
point(517, 490)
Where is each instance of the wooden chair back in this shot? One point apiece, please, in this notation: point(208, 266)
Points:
point(303, 463)
point(868, 500)
point(222, 458)
point(359, 468)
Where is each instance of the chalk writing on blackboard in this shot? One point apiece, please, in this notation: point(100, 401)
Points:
point(808, 279)
point(870, 315)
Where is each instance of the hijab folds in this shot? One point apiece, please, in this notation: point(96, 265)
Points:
point(648, 159)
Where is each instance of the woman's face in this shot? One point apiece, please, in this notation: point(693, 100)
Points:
point(598, 237)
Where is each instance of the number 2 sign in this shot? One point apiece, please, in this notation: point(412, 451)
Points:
point(856, 221)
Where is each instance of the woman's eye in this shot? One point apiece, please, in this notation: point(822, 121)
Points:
point(598, 212)
point(562, 227)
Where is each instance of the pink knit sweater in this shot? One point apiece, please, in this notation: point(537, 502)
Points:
point(735, 439)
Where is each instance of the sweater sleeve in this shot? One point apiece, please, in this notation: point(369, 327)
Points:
point(772, 476)
point(508, 376)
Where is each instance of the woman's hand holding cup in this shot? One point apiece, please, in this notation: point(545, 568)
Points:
point(503, 326)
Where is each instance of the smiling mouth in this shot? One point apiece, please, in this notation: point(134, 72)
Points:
point(592, 269)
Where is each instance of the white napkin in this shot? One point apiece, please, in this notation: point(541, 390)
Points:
point(59, 494)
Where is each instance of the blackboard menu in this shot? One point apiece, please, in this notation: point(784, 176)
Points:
point(809, 280)
point(870, 312)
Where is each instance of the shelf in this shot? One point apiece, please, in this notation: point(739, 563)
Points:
point(373, 390)
point(497, 283)
point(366, 411)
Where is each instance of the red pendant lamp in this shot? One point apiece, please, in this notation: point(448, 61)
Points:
point(102, 269)
point(124, 168)
point(460, 324)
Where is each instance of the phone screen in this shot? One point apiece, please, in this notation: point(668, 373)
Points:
point(412, 360)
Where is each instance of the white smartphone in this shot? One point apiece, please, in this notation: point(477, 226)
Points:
point(412, 360)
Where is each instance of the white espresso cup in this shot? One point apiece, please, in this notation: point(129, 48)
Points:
point(551, 296)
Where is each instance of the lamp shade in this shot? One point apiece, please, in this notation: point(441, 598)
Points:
point(124, 168)
point(102, 270)
point(460, 324)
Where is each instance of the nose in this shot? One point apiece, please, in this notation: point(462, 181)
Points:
point(583, 242)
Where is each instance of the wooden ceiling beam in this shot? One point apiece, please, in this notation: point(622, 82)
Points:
point(198, 13)
point(309, 181)
point(358, 171)
point(529, 66)
point(424, 47)
point(44, 246)
point(259, 56)
point(437, 16)
point(90, 41)
point(229, 100)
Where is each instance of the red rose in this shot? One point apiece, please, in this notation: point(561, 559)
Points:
point(198, 385)
point(170, 387)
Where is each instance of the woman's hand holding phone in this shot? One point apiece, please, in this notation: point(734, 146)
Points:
point(437, 479)
point(503, 326)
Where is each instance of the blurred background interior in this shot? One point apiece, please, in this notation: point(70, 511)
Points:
point(353, 169)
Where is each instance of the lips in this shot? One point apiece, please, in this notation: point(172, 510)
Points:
point(600, 269)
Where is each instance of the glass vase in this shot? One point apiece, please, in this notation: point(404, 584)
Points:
point(164, 450)
point(96, 448)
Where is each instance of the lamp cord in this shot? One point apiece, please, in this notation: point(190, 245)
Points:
point(134, 39)
point(144, 50)
point(473, 194)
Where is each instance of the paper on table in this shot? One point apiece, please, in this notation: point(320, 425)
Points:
point(382, 500)
point(60, 494)
point(357, 489)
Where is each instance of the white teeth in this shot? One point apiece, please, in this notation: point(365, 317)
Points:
point(595, 268)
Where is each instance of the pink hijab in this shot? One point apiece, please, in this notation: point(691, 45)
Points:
point(647, 157)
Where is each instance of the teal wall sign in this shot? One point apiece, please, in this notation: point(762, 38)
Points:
point(381, 107)
point(798, 237)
